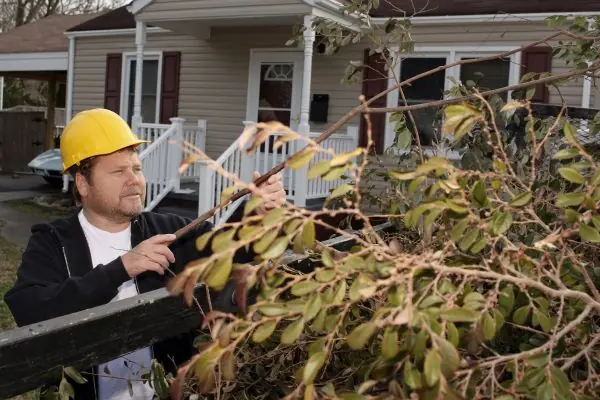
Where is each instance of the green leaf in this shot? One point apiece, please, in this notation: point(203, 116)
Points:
point(341, 190)
point(75, 375)
point(432, 367)
point(469, 239)
point(292, 332)
point(202, 240)
point(304, 287)
point(272, 310)
point(404, 139)
point(488, 326)
point(479, 194)
point(262, 244)
point(570, 133)
point(218, 274)
point(340, 293)
point(404, 176)
point(589, 234)
point(65, 389)
point(325, 275)
point(302, 158)
point(319, 169)
point(308, 234)
point(361, 335)
point(458, 230)
point(412, 376)
point(389, 345)
point(572, 215)
point(520, 315)
point(343, 158)
point(566, 154)
point(274, 216)
point(223, 241)
point(312, 367)
point(276, 249)
point(501, 222)
point(571, 175)
point(538, 361)
point(521, 199)
point(545, 321)
point(313, 306)
point(334, 174)
point(479, 245)
point(459, 315)
point(352, 396)
point(450, 356)
point(264, 331)
point(415, 184)
point(452, 334)
point(570, 199)
point(251, 204)
point(596, 221)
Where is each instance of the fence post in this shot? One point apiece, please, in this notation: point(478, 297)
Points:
point(247, 164)
point(206, 187)
point(201, 140)
point(175, 152)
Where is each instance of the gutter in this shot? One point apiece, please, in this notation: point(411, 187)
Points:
point(486, 18)
point(113, 32)
point(70, 76)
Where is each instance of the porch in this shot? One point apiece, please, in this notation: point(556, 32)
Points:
point(198, 188)
point(278, 88)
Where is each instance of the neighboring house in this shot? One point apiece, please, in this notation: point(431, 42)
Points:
point(219, 63)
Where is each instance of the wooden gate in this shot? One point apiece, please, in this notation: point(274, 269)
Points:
point(21, 138)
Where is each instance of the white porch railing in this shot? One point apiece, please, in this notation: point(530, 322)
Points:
point(212, 183)
point(194, 135)
point(160, 163)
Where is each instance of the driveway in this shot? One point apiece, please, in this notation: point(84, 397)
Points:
point(15, 226)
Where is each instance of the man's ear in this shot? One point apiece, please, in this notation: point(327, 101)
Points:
point(82, 185)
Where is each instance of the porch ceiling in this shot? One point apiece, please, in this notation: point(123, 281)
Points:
point(218, 12)
point(199, 28)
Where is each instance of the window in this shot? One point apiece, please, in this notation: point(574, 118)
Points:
point(275, 96)
point(150, 88)
point(423, 90)
point(487, 75)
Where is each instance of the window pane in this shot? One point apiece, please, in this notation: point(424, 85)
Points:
point(149, 86)
point(276, 85)
point(423, 90)
point(487, 75)
point(428, 88)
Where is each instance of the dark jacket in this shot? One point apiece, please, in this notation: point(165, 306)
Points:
point(56, 277)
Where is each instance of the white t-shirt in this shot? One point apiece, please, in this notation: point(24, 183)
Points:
point(105, 247)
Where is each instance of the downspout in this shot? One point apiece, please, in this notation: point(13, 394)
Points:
point(69, 105)
point(70, 70)
point(586, 95)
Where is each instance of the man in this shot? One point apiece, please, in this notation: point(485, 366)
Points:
point(109, 250)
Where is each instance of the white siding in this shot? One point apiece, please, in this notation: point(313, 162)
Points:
point(214, 72)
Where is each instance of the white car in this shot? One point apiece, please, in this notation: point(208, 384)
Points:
point(48, 165)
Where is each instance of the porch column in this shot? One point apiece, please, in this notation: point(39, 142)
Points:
point(140, 42)
point(304, 127)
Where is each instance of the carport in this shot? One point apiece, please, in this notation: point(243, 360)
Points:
point(39, 51)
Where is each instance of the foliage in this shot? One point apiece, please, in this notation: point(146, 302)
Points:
point(486, 289)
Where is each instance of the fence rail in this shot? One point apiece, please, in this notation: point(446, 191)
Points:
point(32, 356)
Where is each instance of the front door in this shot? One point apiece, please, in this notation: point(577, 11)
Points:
point(274, 94)
point(274, 89)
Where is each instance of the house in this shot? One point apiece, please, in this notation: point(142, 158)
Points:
point(222, 64)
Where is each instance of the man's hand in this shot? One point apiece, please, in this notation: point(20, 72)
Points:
point(150, 255)
point(274, 195)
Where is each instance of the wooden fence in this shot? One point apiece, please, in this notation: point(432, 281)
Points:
point(33, 356)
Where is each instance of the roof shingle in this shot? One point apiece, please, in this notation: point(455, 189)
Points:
point(44, 35)
point(389, 8)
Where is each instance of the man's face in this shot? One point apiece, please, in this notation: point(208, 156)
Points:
point(117, 188)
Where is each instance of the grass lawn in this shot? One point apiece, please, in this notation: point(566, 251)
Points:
point(10, 258)
point(28, 206)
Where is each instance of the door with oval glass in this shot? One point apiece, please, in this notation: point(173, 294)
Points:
point(274, 94)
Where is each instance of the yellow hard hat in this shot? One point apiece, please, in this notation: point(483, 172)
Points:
point(92, 133)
